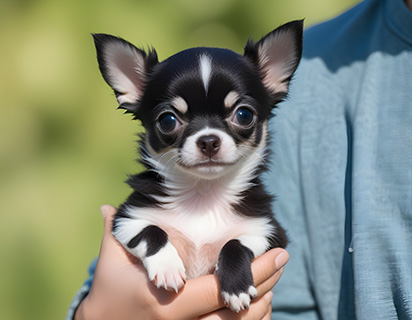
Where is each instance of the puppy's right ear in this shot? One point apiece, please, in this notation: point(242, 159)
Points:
point(124, 67)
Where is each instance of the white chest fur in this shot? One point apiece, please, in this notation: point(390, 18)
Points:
point(199, 224)
point(198, 235)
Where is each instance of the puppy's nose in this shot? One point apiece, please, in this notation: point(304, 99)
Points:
point(209, 145)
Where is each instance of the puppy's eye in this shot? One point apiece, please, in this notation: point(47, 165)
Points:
point(244, 117)
point(168, 122)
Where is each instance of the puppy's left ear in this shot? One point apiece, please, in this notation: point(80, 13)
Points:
point(124, 67)
point(277, 56)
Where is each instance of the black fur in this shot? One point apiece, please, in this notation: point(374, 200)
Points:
point(155, 238)
point(146, 186)
point(234, 268)
point(257, 202)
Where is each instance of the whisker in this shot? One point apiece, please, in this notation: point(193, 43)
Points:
point(156, 161)
point(166, 165)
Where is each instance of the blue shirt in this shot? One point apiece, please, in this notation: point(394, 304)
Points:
point(342, 169)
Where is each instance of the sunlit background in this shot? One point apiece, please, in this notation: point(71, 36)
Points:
point(64, 149)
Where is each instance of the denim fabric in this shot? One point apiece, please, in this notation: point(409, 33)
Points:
point(342, 169)
point(83, 292)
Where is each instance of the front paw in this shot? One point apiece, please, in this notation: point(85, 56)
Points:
point(235, 275)
point(165, 269)
point(239, 301)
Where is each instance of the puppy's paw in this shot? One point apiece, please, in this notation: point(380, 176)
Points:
point(235, 275)
point(170, 279)
point(239, 301)
point(166, 269)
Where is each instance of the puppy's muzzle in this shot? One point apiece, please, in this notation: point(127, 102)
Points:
point(209, 145)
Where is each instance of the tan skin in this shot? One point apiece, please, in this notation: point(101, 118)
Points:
point(121, 289)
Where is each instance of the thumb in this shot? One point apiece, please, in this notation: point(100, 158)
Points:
point(110, 247)
point(108, 212)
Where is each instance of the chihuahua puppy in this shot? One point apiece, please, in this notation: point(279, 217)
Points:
point(200, 207)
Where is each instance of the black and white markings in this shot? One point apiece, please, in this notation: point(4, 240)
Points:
point(166, 269)
point(235, 275)
point(153, 247)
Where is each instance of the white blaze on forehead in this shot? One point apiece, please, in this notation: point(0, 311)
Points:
point(231, 98)
point(180, 104)
point(205, 69)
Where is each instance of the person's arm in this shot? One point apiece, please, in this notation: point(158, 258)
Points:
point(121, 289)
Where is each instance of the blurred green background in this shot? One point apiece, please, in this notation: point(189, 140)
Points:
point(64, 149)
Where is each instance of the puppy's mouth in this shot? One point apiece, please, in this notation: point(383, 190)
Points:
point(210, 163)
point(208, 154)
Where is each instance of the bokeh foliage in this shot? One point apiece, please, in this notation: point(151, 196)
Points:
point(64, 149)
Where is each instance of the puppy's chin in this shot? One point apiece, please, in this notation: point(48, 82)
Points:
point(207, 170)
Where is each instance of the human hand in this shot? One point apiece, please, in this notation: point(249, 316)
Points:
point(122, 290)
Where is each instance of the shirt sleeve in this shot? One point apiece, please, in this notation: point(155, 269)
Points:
point(82, 293)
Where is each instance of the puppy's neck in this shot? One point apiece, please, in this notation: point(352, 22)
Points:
point(204, 187)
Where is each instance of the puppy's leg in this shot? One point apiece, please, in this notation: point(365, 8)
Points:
point(152, 246)
point(235, 275)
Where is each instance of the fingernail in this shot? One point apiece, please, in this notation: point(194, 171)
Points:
point(268, 296)
point(281, 259)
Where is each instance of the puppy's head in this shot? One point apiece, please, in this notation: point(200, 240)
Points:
point(205, 110)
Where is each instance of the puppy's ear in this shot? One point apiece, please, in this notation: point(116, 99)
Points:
point(124, 67)
point(277, 56)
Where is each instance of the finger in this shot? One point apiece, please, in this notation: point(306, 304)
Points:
point(258, 310)
point(202, 295)
point(268, 315)
point(267, 285)
point(269, 297)
point(108, 212)
point(268, 264)
point(198, 296)
point(268, 275)
point(110, 247)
